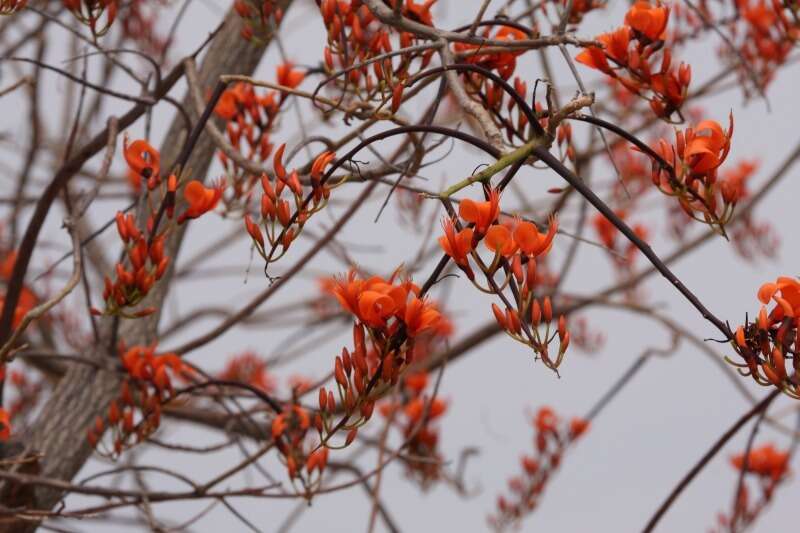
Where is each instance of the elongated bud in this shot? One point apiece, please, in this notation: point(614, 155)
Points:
point(547, 308)
point(323, 399)
point(536, 313)
point(397, 97)
point(351, 436)
point(277, 162)
point(513, 320)
point(500, 317)
point(346, 362)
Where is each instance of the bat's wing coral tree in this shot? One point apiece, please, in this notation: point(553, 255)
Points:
point(157, 138)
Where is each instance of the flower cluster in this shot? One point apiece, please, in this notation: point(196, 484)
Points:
point(258, 17)
point(283, 223)
point(552, 439)
point(505, 63)
point(90, 12)
point(690, 172)
point(516, 245)
point(250, 116)
point(770, 468)
point(772, 338)
point(136, 413)
point(144, 249)
point(621, 251)
point(630, 55)
point(355, 36)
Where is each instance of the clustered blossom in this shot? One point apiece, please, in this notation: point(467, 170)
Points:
point(516, 245)
point(281, 221)
point(630, 55)
point(552, 439)
point(691, 169)
point(769, 468)
point(258, 17)
point(250, 116)
point(144, 248)
point(91, 12)
point(355, 36)
point(766, 343)
point(148, 384)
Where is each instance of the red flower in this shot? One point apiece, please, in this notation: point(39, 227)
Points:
point(143, 159)
point(648, 20)
point(482, 214)
point(288, 76)
point(456, 245)
point(530, 241)
point(201, 199)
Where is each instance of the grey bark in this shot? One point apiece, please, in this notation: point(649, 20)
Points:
point(59, 432)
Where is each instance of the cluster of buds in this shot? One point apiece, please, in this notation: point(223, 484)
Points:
point(630, 55)
point(249, 368)
point(90, 12)
point(552, 439)
point(772, 338)
point(355, 36)
point(250, 117)
point(414, 414)
point(516, 245)
point(283, 223)
point(690, 173)
point(390, 318)
point(505, 62)
point(259, 17)
point(290, 430)
point(767, 33)
point(10, 6)
point(769, 467)
point(147, 262)
point(136, 413)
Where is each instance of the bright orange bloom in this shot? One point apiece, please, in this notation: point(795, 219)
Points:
point(420, 316)
point(530, 241)
point(288, 76)
point(499, 240)
point(650, 21)
point(142, 158)
point(456, 245)
point(482, 214)
point(764, 461)
point(416, 408)
point(705, 153)
point(201, 199)
point(786, 293)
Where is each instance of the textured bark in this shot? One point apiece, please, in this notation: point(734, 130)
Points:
point(59, 433)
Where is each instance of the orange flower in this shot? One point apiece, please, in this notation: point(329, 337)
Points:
point(705, 153)
point(764, 461)
point(786, 293)
point(456, 245)
point(482, 214)
point(530, 241)
point(499, 240)
point(650, 21)
point(420, 316)
point(201, 199)
point(142, 158)
point(289, 77)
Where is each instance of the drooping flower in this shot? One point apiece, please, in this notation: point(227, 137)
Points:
point(143, 159)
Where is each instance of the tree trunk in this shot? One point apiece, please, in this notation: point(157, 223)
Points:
point(60, 430)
